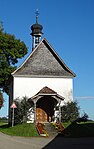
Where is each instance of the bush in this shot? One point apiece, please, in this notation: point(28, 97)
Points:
point(70, 112)
point(22, 110)
point(84, 118)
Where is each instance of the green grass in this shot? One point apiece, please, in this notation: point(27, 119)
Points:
point(3, 123)
point(78, 130)
point(66, 124)
point(73, 130)
point(26, 130)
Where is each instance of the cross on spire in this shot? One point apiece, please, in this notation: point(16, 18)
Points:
point(36, 31)
point(37, 14)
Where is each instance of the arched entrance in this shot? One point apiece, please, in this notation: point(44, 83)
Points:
point(45, 102)
point(45, 108)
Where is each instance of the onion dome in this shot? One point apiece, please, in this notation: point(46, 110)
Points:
point(36, 32)
point(36, 28)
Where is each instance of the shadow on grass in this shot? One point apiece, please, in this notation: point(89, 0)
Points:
point(75, 136)
point(77, 130)
point(4, 126)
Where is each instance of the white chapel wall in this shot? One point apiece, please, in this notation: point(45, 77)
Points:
point(24, 86)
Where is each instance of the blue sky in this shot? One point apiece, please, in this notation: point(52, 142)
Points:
point(68, 25)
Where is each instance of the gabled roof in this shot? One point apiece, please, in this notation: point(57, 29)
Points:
point(46, 91)
point(44, 61)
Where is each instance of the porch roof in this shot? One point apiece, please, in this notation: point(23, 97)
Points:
point(46, 91)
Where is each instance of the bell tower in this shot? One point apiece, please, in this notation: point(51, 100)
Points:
point(36, 32)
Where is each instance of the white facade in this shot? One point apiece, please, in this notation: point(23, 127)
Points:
point(26, 86)
point(42, 68)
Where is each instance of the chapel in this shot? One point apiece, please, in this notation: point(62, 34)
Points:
point(44, 78)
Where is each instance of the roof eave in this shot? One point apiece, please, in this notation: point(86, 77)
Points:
point(42, 76)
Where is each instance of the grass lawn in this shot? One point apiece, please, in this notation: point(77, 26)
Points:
point(2, 123)
point(27, 130)
point(73, 130)
point(66, 124)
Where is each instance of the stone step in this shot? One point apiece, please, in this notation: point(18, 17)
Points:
point(50, 129)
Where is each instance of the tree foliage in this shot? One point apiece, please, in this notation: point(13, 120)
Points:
point(22, 111)
point(1, 100)
point(11, 49)
point(84, 118)
point(70, 111)
point(4, 119)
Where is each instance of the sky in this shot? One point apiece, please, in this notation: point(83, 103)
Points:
point(68, 25)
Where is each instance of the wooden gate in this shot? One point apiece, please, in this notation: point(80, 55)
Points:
point(41, 115)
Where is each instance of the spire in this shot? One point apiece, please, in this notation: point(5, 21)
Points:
point(36, 31)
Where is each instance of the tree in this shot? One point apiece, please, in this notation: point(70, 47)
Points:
point(23, 110)
point(1, 100)
point(4, 119)
point(11, 49)
point(84, 118)
point(1, 26)
point(70, 111)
